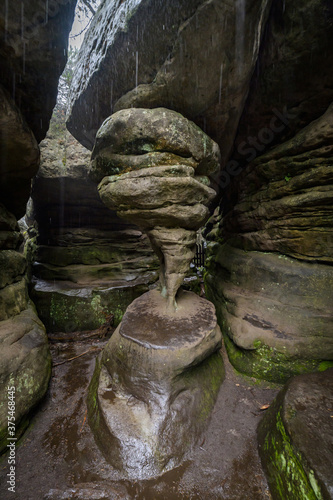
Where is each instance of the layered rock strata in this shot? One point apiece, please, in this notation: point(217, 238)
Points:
point(25, 359)
point(88, 263)
point(163, 162)
point(277, 246)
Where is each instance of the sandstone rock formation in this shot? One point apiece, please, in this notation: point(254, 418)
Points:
point(158, 154)
point(88, 263)
point(296, 439)
point(282, 325)
point(283, 220)
point(19, 156)
point(195, 57)
point(33, 48)
point(24, 356)
point(162, 358)
point(155, 384)
point(261, 81)
point(25, 365)
point(33, 44)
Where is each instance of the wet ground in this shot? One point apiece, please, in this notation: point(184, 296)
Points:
point(58, 458)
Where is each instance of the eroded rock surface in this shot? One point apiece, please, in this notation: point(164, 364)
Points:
point(282, 325)
point(279, 251)
point(155, 188)
point(194, 57)
point(33, 52)
point(88, 263)
point(162, 358)
point(25, 365)
point(156, 383)
point(284, 201)
point(296, 439)
point(19, 156)
point(261, 80)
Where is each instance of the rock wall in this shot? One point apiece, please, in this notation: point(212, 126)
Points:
point(87, 263)
point(295, 438)
point(190, 56)
point(275, 260)
point(256, 77)
point(33, 45)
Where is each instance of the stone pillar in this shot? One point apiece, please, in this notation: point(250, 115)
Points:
point(157, 379)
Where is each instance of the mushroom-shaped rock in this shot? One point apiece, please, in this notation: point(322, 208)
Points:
point(154, 167)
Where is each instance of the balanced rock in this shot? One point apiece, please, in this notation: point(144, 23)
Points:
point(163, 162)
point(157, 379)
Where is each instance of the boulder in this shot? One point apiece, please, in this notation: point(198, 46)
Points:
point(155, 384)
point(25, 365)
point(155, 136)
point(296, 439)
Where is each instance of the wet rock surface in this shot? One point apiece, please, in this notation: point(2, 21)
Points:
point(156, 384)
point(291, 79)
point(64, 305)
point(279, 250)
point(25, 363)
point(19, 156)
point(161, 357)
point(33, 53)
point(262, 89)
point(284, 197)
point(173, 55)
point(224, 465)
point(296, 438)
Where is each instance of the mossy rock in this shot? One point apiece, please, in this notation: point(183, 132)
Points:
point(274, 312)
point(269, 364)
point(64, 307)
point(296, 439)
point(25, 363)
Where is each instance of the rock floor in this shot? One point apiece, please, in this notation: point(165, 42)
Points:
point(58, 459)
